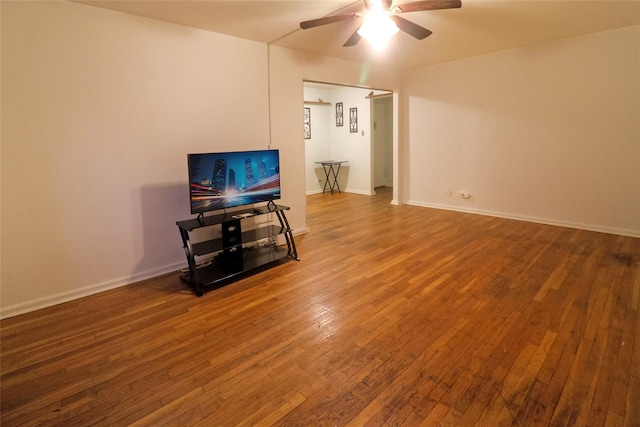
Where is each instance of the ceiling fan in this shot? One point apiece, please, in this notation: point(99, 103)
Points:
point(382, 20)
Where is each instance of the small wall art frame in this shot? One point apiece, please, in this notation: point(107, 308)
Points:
point(339, 114)
point(353, 120)
point(307, 123)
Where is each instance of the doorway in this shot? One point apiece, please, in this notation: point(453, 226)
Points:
point(382, 132)
point(367, 147)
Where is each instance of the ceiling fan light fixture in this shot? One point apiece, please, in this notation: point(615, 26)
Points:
point(378, 28)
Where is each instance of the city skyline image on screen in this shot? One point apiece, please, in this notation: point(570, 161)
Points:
point(229, 179)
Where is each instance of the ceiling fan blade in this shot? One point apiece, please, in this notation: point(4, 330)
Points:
point(353, 40)
point(327, 20)
point(429, 5)
point(411, 28)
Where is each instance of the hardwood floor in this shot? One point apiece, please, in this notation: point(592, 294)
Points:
point(395, 315)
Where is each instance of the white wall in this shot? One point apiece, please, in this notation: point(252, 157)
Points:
point(356, 176)
point(318, 147)
point(547, 133)
point(99, 110)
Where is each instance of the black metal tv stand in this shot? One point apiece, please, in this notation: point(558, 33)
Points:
point(236, 251)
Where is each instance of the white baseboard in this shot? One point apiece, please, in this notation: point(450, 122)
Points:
point(63, 297)
point(299, 231)
point(348, 190)
point(362, 192)
point(568, 224)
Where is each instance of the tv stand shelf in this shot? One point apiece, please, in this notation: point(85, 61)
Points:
point(232, 253)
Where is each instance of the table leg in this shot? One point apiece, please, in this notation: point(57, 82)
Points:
point(335, 179)
point(326, 181)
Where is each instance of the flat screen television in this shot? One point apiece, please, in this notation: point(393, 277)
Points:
point(228, 179)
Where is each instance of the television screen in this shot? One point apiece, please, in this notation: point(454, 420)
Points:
point(225, 180)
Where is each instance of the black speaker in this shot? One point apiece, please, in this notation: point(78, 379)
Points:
point(232, 246)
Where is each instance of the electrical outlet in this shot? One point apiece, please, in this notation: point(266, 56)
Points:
point(448, 193)
point(463, 194)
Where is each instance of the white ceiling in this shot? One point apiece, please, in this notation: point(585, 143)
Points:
point(479, 27)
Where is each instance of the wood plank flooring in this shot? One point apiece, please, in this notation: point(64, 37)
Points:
point(395, 315)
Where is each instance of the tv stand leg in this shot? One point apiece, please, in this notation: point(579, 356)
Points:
point(291, 244)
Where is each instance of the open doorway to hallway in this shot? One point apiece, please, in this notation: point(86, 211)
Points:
point(382, 134)
point(348, 124)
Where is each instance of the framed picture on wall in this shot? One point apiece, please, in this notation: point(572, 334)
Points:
point(339, 119)
point(353, 120)
point(307, 123)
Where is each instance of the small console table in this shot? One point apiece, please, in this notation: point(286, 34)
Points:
point(331, 174)
point(231, 254)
